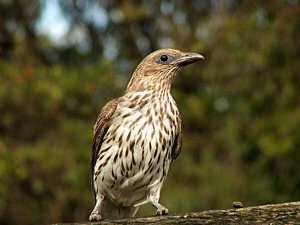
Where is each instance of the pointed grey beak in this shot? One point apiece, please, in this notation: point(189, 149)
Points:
point(188, 58)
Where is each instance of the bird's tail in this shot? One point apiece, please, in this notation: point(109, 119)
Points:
point(109, 210)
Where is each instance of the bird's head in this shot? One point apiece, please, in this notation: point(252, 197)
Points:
point(158, 69)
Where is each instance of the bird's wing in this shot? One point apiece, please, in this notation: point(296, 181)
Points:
point(100, 129)
point(177, 143)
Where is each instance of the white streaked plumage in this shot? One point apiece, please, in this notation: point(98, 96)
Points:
point(117, 189)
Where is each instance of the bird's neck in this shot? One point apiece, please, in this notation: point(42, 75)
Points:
point(155, 90)
point(157, 81)
point(155, 86)
point(142, 96)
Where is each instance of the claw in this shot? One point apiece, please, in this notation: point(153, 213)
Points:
point(162, 211)
point(95, 217)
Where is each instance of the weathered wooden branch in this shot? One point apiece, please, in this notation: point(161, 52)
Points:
point(286, 213)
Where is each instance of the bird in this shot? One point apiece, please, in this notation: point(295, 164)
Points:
point(136, 138)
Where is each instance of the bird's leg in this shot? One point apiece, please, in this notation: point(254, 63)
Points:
point(154, 197)
point(95, 215)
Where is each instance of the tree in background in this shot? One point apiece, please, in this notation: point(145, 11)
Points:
point(240, 110)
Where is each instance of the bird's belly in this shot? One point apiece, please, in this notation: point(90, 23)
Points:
point(134, 158)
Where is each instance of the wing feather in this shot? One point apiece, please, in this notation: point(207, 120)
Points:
point(100, 129)
point(177, 146)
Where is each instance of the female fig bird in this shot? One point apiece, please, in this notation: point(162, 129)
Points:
point(136, 137)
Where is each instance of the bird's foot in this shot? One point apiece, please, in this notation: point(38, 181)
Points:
point(154, 197)
point(95, 216)
point(161, 210)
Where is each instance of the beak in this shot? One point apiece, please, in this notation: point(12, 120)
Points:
point(188, 58)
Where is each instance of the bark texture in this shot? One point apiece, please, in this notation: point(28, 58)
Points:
point(286, 213)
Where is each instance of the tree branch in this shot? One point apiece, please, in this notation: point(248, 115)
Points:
point(286, 213)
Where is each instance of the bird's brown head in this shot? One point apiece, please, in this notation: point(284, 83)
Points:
point(158, 69)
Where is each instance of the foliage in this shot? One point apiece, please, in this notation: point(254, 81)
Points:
point(240, 107)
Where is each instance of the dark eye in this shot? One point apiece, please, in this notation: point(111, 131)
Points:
point(164, 58)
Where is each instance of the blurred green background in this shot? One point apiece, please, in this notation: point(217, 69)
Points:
point(60, 61)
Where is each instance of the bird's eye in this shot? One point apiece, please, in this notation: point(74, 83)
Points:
point(164, 58)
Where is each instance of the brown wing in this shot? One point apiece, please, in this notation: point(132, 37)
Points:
point(177, 143)
point(100, 129)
